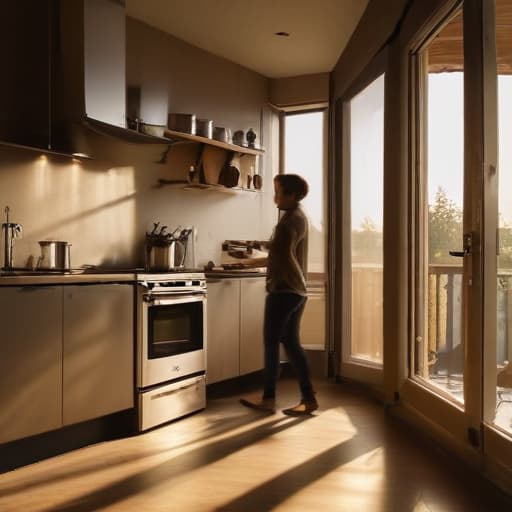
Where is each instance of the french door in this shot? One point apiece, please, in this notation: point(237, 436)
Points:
point(461, 229)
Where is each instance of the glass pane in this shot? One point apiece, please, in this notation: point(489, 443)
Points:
point(439, 357)
point(503, 416)
point(304, 155)
point(366, 209)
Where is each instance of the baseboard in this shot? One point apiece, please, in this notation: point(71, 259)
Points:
point(32, 449)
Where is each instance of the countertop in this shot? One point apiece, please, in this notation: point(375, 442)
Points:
point(33, 278)
point(84, 276)
point(223, 274)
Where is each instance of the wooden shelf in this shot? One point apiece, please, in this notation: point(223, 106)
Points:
point(219, 188)
point(203, 186)
point(171, 134)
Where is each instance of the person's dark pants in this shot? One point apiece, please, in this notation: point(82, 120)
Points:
point(283, 312)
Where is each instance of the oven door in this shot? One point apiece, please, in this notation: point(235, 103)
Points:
point(171, 339)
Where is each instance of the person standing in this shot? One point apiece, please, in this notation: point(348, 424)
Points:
point(286, 296)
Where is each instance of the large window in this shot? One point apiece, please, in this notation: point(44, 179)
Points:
point(366, 114)
point(305, 155)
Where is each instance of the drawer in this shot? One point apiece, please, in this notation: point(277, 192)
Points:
point(171, 401)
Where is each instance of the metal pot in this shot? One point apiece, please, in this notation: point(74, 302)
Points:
point(55, 255)
point(165, 257)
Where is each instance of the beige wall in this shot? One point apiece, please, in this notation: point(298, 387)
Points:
point(300, 90)
point(103, 206)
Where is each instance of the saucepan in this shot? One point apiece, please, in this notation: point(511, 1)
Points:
point(55, 255)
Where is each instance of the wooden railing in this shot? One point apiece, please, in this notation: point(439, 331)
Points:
point(443, 350)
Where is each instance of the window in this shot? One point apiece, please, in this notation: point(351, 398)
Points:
point(305, 155)
point(366, 114)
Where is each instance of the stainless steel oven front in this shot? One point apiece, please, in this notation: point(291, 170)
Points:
point(171, 346)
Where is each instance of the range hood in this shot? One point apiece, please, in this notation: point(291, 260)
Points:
point(64, 75)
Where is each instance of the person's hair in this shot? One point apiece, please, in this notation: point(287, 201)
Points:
point(293, 184)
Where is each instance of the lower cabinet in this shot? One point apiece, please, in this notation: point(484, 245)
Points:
point(252, 304)
point(98, 351)
point(66, 355)
point(235, 327)
point(30, 361)
point(223, 330)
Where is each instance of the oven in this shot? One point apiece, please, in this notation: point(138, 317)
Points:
point(171, 346)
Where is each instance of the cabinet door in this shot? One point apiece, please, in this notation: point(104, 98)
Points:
point(252, 303)
point(30, 361)
point(98, 371)
point(312, 328)
point(24, 88)
point(104, 61)
point(222, 351)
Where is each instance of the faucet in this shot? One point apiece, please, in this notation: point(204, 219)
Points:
point(11, 231)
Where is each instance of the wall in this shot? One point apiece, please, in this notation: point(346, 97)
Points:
point(299, 90)
point(104, 206)
point(375, 27)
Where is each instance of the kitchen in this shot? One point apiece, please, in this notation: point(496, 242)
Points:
point(101, 190)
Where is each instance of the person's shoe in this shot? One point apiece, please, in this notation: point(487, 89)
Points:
point(304, 408)
point(263, 405)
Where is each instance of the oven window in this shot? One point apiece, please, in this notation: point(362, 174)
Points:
point(175, 329)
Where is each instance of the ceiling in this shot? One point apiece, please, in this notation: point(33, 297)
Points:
point(243, 31)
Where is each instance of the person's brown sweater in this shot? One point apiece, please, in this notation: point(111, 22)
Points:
point(288, 254)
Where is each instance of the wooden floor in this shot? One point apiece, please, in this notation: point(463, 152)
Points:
point(348, 457)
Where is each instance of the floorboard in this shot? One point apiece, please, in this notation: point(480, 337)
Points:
point(349, 456)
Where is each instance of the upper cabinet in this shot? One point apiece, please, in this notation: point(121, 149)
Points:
point(104, 61)
point(63, 62)
point(25, 53)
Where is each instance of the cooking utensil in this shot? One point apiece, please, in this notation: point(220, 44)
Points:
point(165, 257)
point(55, 255)
point(204, 128)
point(257, 181)
point(221, 134)
point(229, 174)
point(185, 123)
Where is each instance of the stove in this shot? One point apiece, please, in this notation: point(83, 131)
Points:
point(171, 344)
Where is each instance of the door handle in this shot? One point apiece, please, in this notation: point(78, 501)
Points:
point(466, 246)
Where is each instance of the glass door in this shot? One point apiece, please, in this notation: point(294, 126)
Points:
point(440, 345)
point(445, 364)
point(497, 350)
point(461, 378)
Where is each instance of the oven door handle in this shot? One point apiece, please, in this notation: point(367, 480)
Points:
point(178, 299)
